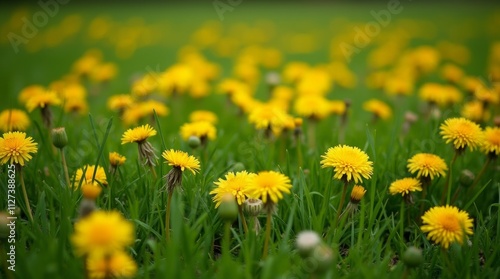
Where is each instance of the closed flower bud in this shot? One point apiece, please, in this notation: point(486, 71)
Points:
point(194, 142)
point(412, 257)
point(91, 190)
point(306, 242)
point(466, 178)
point(253, 206)
point(228, 209)
point(237, 167)
point(86, 207)
point(59, 137)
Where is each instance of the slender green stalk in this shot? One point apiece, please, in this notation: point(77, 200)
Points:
point(65, 167)
point(226, 239)
point(243, 220)
point(402, 219)
point(480, 174)
point(341, 204)
point(153, 171)
point(25, 195)
point(311, 133)
point(167, 216)
point(447, 189)
point(268, 234)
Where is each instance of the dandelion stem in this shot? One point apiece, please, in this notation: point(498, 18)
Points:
point(480, 174)
point(25, 195)
point(447, 189)
point(226, 240)
point(311, 134)
point(153, 170)
point(342, 198)
point(65, 167)
point(167, 216)
point(268, 233)
point(242, 217)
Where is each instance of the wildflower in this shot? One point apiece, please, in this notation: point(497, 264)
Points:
point(268, 118)
point(236, 184)
point(446, 224)
point(30, 91)
point(475, 111)
point(203, 115)
point(405, 186)
point(269, 186)
point(14, 120)
point(91, 191)
point(452, 73)
point(146, 151)
point(203, 130)
point(312, 106)
point(100, 176)
point(116, 160)
point(378, 108)
point(461, 132)
point(15, 148)
point(491, 141)
point(357, 193)
point(102, 233)
point(44, 101)
point(120, 102)
point(427, 165)
point(306, 242)
point(179, 161)
point(117, 265)
point(349, 163)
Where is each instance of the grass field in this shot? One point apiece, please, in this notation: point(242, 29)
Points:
point(157, 43)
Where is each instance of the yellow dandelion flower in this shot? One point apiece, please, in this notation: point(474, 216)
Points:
point(269, 186)
point(138, 134)
point(181, 160)
point(15, 148)
point(486, 95)
point(293, 71)
point(30, 91)
point(452, 73)
point(42, 100)
point(268, 117)
point(491, 141)
point(312, 106)
point(446, 224)
point(76, 105)
point(235, 184)
point(338, 107)
point(201, 129)
point(461, 132)
point(150, 106)
point(14, 120)
point(378, 108)
point(427, 165)
point(117, 265)
point(203, 115)
point(357, 193)
point(120, 102)
point(116, 159)
point(91, 190)
point(100, 175)
point(349, 163)
point(405, 186)
point(475, 111)
point(102, 233)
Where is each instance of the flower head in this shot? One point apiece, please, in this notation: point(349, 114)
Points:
point(91, 190)
point(116, 159)
point(405, 186)
point(427, 165)
point(138, 134)
point(461, 132)
point(378, 108)
point(14, 120)
point(200, 129)
point(446, 224)
point(491, 141)
point(117, 265)
point(100, 175)
point(357, 193)
point(313, 106)
point(102, 233)
point(235, 184)
point(203, 115)
point(269, 186)
point(15, 148)
point(181, 160)
point(349, 163)
point(42, 100)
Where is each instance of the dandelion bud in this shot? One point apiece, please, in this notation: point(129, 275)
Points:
point(91, 190)
point(86, 207)
point(357, 194)
point(59, 137)
point(228, 209)
point(323, 256)
point(411, 117)
point(466, 178)
point(4, 229)
point(253, 206)
point(194, 142)
point(412, 257)
point(306, 242)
